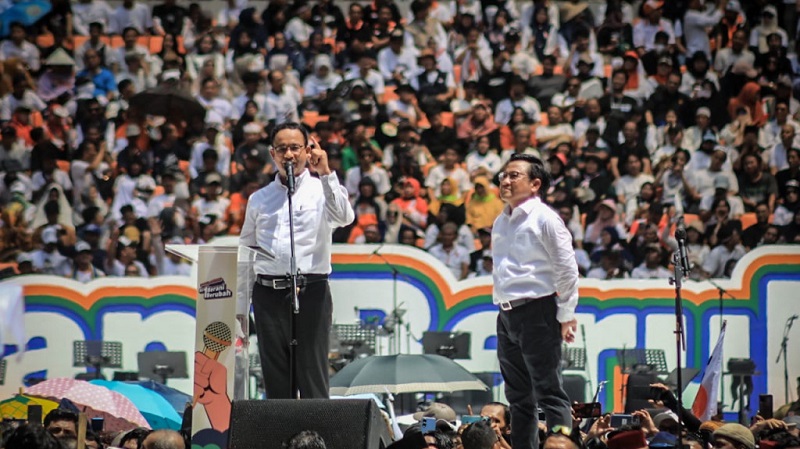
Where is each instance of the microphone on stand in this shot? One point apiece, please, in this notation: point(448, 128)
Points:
point(680, 236)
point(289, 167)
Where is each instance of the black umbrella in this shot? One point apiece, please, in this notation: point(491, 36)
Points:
point(403, 374)
point(169, 102)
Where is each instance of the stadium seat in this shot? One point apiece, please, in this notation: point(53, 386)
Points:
point(154, 43)
point(748, 219)
point(63, 165)
point(311, 118)
point(389, 94)
point(448, 119)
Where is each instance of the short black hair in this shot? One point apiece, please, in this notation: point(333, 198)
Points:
point(59, 414)
point(31, 436)
point(479, 435)
point(536, 169)
point(138, 434)
point(290, 125)
point(306, 439)
point(506, 409)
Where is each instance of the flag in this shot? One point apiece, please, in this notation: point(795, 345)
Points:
point(705, 403)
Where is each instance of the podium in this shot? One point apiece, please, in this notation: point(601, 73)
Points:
point(225, 279)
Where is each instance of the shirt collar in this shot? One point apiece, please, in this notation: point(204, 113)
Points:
point(298, 180)
point(526, 207)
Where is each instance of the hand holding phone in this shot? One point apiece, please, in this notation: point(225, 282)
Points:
point(619, 420)
point(428, 425)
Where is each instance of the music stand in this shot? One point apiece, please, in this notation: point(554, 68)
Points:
point(742, 371)
point(2, 371)
point(354, 341)
point(162, 364)
point(573, 359)
point(637, 360)
point(97, 354)
point(453, 345)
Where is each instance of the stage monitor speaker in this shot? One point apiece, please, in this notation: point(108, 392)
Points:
point(575, 386)
point(342, 423)
point(637, 391)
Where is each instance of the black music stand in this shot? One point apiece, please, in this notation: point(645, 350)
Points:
point(742, 371)
point(453, 345)
point(637, 360)
point(573, 359)
point(354, 341)
point(97, 354)
point(163, 365)
point(2, 371)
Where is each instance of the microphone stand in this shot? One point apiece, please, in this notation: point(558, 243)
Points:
point(395, 342)
point(680, 342)
point(784, 344)
point(722, 294)
point(292, 275)
point(586, 352)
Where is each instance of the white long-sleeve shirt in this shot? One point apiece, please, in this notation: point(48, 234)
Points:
point(533, 257)
point(320, 206)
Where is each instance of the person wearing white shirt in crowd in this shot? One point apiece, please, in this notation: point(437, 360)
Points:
point(86, 12)
point(323, 206)
point(131, 14)
point(728, 56)
point(474, 57)
point(722, 191)
point(628, 185)
point(214, 140)
point(211, 100)
point(448, 168)
point(165, 199)
point(371, 77)
point(136, 70)
point(396, 62)
point(16, 46)
point(594, 117)
point(297, 29)
point(453, 255)
point(693, 136)
point(703, 180)
point(228, 15)
point(48, 260)
point(406, 107)
point(95, 42)
point(20, 95)
point(212, 202)
point(367, 168)
point(697, 20)
point(318, 84)
point(548, 136)
point(536, 287)
point(517, 99)
point(252, 92)
point(167, 263)
point(83, 270)
point(483, 160)
point(777, 158)
point(651, 268)
point(768, 25)
point(121, 255)
point(581, 51)
point(118, 56)
point(644, 31)
point(282, 99)
point(728, 249)
point(770, 134)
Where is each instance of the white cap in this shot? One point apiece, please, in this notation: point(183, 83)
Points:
point(172, 74)
point(703, 111)
point(49, 235)
point(132, 130)
point(145, 183)
point(82, 246)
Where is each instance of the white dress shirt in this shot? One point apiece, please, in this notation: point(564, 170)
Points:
point(320, 206)
point(455, 258)
point(139, 17)
point(533, 257)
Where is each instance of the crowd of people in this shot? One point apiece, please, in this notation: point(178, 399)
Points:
point(650, 115)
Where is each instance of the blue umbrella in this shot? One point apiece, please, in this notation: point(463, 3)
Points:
point(156, 410)
point(176, 398)
point(26, 12)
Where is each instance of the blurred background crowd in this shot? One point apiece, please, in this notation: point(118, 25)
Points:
point(129, 126)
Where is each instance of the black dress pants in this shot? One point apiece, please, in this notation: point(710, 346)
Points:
point(273, 313)
point(529, 350)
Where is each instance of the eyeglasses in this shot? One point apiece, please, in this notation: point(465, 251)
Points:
point(561, 430)
point(294, 148)
point(512, 176)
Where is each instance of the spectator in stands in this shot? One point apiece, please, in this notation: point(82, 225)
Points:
point(784, 213)
point(448, 168)
point(543, 87)
point(20, 95)
point(752, 235)
point(728, 248)
point(412, 207)
point(755, 185)
point(318, 85)
point(104, 83)
point(606, 218)
point(454, 256)
point(367, 168)
point(18, 46)
point(768, 25)
point(30, 435)
point(644, 31)
point(628, 185)
point(737, 50)
point(283, 100)
point(651, 268)
point(483, 205)
point(405, 107)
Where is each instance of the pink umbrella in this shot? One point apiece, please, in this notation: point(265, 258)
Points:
point(91, 399)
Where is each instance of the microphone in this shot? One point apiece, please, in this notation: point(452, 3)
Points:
point(680, 236)
point(793, 317)
point(289, 167)
point(583, 332)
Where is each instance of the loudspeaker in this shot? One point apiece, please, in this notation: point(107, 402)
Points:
point(637, 391)
point(575, 386)
point(342, 423)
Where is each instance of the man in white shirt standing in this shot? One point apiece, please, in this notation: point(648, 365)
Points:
point(696, 22)
point(536, 286)
point(320, 206)
point(131, 14)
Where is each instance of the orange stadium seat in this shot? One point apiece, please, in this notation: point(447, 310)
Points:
point(63, 165)
point(448, 119)
point(389, 94)
point(748, 219)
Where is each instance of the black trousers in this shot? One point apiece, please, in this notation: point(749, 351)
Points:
point(273, 313)
point(529, 349)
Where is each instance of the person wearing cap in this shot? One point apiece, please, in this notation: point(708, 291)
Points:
point(733, 436)
point(211, 201)
point(83, 270)
point(405, 107)
point(737, 51)
point(21, 95)
point(122, 254)
point(253, 142)
point(769, 24)
point(434, 87)
point(581, 52)
point(721, 190)
point(644, 31)
point(320, 205)
point(537, 294)
point(48, 259)
point(396, 62)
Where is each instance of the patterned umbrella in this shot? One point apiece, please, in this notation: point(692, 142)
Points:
point(158, 412)
point(17, 407)
point(176, 398)
point(87, 395)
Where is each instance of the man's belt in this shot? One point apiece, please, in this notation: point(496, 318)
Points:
point(284, 282)
point(508, 305)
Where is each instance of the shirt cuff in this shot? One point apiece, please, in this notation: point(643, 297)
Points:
point(565, 315)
